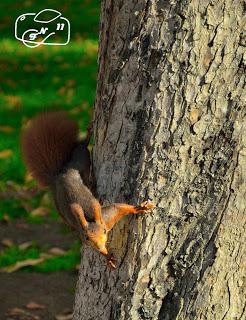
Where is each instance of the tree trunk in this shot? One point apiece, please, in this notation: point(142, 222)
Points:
point(170, 127)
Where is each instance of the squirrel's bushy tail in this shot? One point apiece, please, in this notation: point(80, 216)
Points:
point(47, 143)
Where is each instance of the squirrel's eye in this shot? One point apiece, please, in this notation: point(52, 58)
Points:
point(86, 238)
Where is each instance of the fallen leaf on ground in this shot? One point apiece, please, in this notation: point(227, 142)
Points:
point(39, 212)
point(12, 185)
point(20, 314)
point(32, 305)
point(75, 110)
point(11, 83)
point(45, 255)
point(19, 194)
point(65, 66)
point(6, 217)
point(28, 177)
point(6, 153)
point(7, 242)
point(64, 316)
point(70, 83)
point(26, 205)
point(15, 311)
point(21, 264)
point(22, 225)
point(45, 200)
point(25, 245)
point(13, 101)
point(27, 68)
point(40, 68)
point(6, 129)
point(62, 91)
point(57, 251)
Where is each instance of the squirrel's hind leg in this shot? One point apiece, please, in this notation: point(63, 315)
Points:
point(113, 213)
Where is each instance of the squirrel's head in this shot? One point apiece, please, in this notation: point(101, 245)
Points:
point(96, 232)
point(97, 236)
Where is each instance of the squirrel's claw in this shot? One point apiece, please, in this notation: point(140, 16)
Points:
point(147, 205)
point(111, 262)
point(144, 206)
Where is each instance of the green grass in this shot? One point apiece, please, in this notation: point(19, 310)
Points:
point(14, 254)
point(35, 80)
point(69, 261)
point(44, 78)
point(46, 82)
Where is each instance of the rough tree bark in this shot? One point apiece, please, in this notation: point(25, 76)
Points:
point(170, 127)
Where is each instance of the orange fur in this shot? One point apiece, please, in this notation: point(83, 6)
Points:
point(47, 144)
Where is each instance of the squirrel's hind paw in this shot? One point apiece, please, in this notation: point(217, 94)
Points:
point(144, 206)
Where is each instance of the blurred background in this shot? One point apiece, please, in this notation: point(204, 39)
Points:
point(39, 256)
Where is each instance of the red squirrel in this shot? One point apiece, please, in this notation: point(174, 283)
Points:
point(56, 158)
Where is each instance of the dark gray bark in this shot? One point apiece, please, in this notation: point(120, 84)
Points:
point(170, 127)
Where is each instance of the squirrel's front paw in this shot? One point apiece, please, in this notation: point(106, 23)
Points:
point(144, 206)
point(111, 262)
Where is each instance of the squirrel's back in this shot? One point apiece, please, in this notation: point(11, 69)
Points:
point(47, 144)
